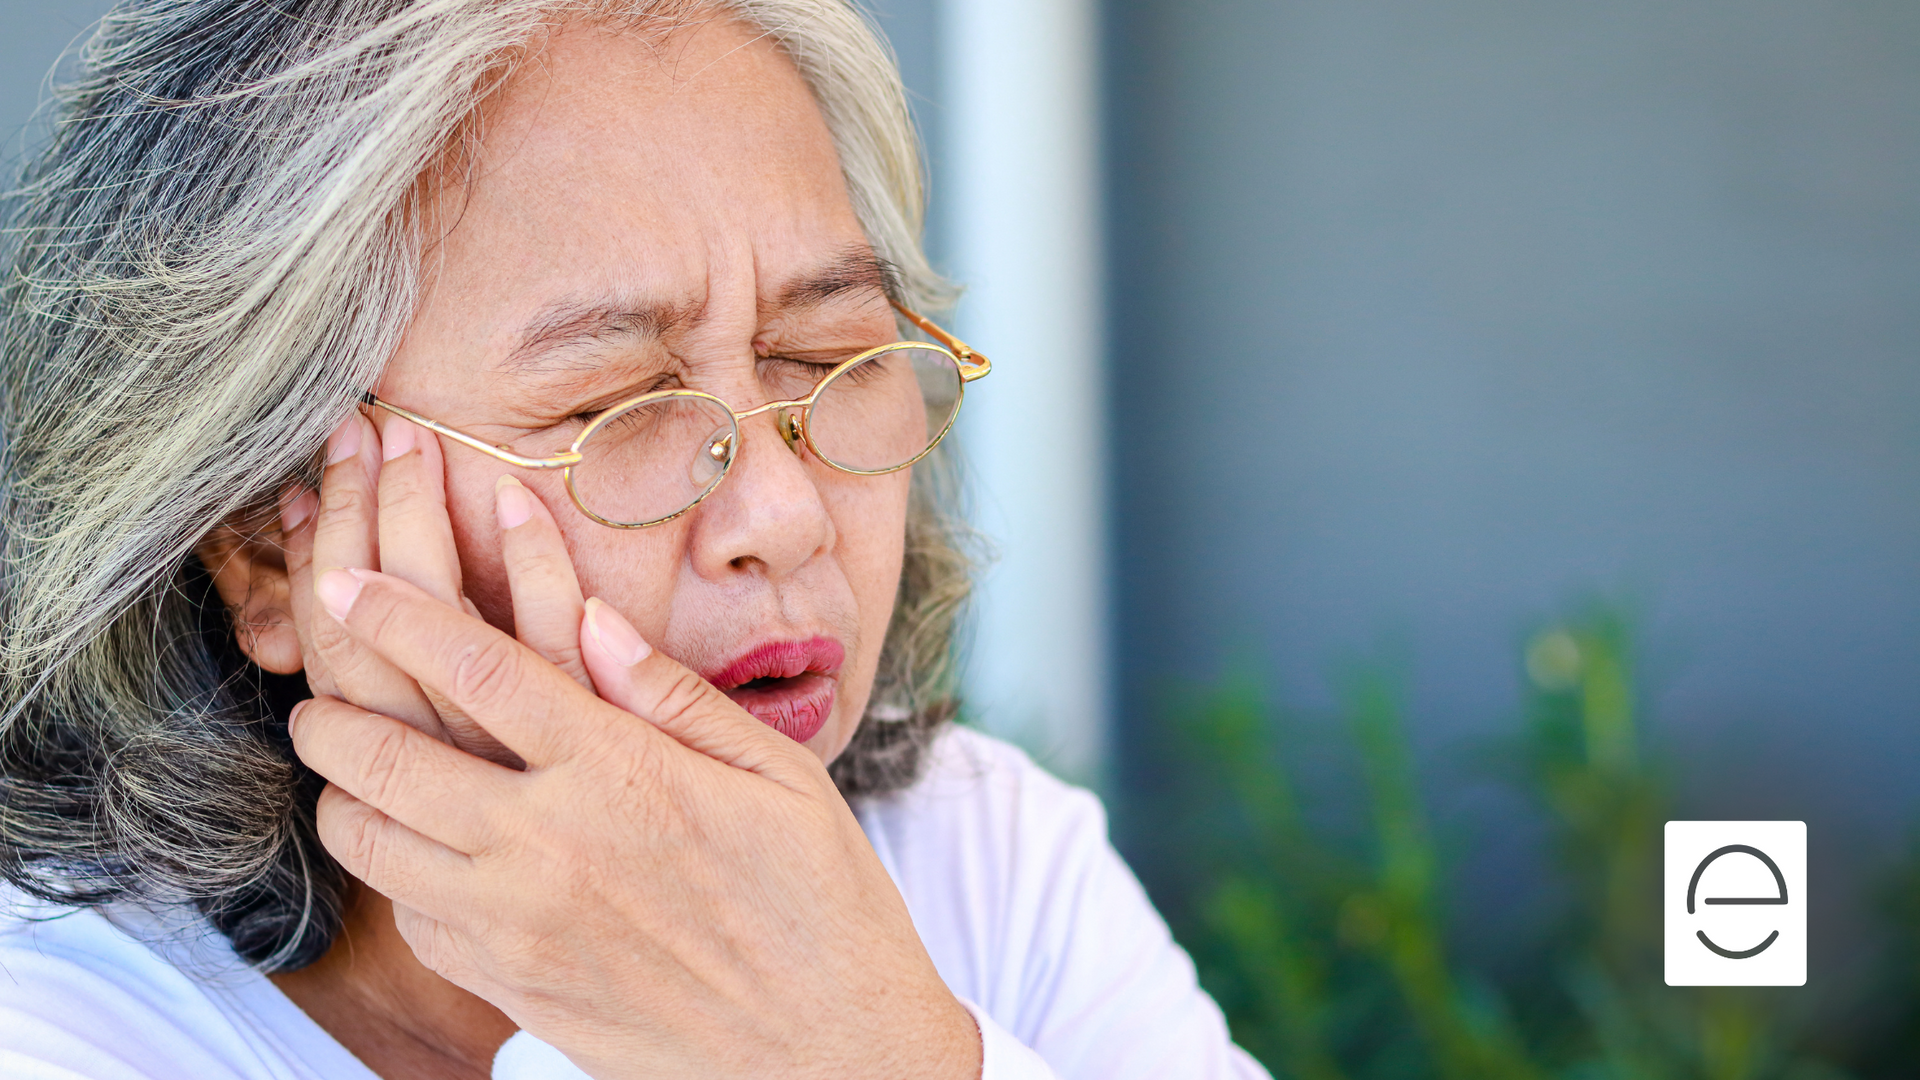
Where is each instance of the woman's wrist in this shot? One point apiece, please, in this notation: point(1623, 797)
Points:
point(950, 1048)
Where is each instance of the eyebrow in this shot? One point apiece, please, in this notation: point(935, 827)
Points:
point(571, 323)
point(853, 270)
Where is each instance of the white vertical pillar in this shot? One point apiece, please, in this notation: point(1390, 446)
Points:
point(1021, 185)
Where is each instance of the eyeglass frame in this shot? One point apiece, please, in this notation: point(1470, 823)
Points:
point(792, 426)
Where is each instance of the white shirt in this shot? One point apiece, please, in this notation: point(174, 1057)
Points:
point(1028, 912)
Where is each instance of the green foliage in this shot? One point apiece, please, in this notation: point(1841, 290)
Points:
point(1327, 945)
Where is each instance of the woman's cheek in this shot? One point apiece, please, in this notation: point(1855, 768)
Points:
point(476, 536)
point(870, 526)
point(633, 570)
point(637, 571)
point(870, 523)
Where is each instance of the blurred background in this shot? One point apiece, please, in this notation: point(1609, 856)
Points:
point(1431, 444)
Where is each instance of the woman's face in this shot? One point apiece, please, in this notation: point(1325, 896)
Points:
point(639, 214)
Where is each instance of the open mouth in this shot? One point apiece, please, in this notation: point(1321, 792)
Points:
point(788, 685)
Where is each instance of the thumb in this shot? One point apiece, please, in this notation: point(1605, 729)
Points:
point(631, 674)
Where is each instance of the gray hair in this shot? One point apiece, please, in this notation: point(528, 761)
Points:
point(215, 254)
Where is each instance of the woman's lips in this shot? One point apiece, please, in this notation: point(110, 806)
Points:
point(788, 685)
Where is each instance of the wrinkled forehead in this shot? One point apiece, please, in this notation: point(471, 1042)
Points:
point(620, 181)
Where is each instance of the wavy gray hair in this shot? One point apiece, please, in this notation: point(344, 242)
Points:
point(214, 255)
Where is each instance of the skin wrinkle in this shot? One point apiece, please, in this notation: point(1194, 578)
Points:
point(559, 330)
point(570, 324)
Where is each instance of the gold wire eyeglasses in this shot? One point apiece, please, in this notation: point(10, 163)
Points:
point(652, 458)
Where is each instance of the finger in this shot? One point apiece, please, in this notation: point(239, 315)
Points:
point(394, 860)
point(416, 545)
point(647, 683)
point(437, 946)
point(547, 605)
point(345, 534)
point(532, 707)
point(344, 531)
point(298, 506)
point(415, 534)
point(442, 793)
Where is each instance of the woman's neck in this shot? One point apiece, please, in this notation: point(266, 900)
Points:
point(399, 1018)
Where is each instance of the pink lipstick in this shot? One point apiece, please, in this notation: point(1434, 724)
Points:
point(788, 685)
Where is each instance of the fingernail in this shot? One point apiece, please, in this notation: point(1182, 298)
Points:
point(296, 511)
point(345, 441)
point(512, 503)
point(293, 717)
point(399, 438)
point(615, 634)
point(338, 589)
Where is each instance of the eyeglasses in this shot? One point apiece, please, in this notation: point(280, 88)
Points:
point(650, 459)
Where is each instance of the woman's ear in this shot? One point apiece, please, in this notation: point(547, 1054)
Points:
point(249, 569)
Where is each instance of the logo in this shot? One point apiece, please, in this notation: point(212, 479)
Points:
point(1736, 903)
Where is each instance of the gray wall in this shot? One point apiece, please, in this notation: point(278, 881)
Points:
point(912, 27)
point(32, 35)
point(1431, 317)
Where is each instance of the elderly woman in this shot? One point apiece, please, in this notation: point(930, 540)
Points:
point(477, 589)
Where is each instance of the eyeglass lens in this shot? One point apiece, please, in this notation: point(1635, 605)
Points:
point(651, 461)
point(885, 412)
point(655, 459)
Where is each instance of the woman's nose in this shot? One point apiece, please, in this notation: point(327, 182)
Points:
point(767, 516)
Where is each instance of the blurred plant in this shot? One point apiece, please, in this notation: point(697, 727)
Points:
point(1328, 952)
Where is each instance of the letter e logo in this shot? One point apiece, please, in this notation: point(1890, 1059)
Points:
point(1736, 903)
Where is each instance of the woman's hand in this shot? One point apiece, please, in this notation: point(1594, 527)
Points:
point(668, 888)
point(382, 505)
point(692, 898)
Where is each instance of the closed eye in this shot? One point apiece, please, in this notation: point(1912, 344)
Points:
point(803, 365)
point(800, 375)
point(794, 377)
point(585, 415)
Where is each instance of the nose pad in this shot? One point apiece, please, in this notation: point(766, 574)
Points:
point(789, 424)
point(719, 452)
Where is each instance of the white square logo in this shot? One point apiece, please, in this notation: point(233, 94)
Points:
point(1736, 903)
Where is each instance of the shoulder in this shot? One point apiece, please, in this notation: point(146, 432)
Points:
point(1031, 915)
point(82, 998)
point(77, 997)
point(1002, 865)
point(987, 794)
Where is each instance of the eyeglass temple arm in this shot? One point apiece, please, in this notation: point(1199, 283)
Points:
point(973, 365)
point(558, 461)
